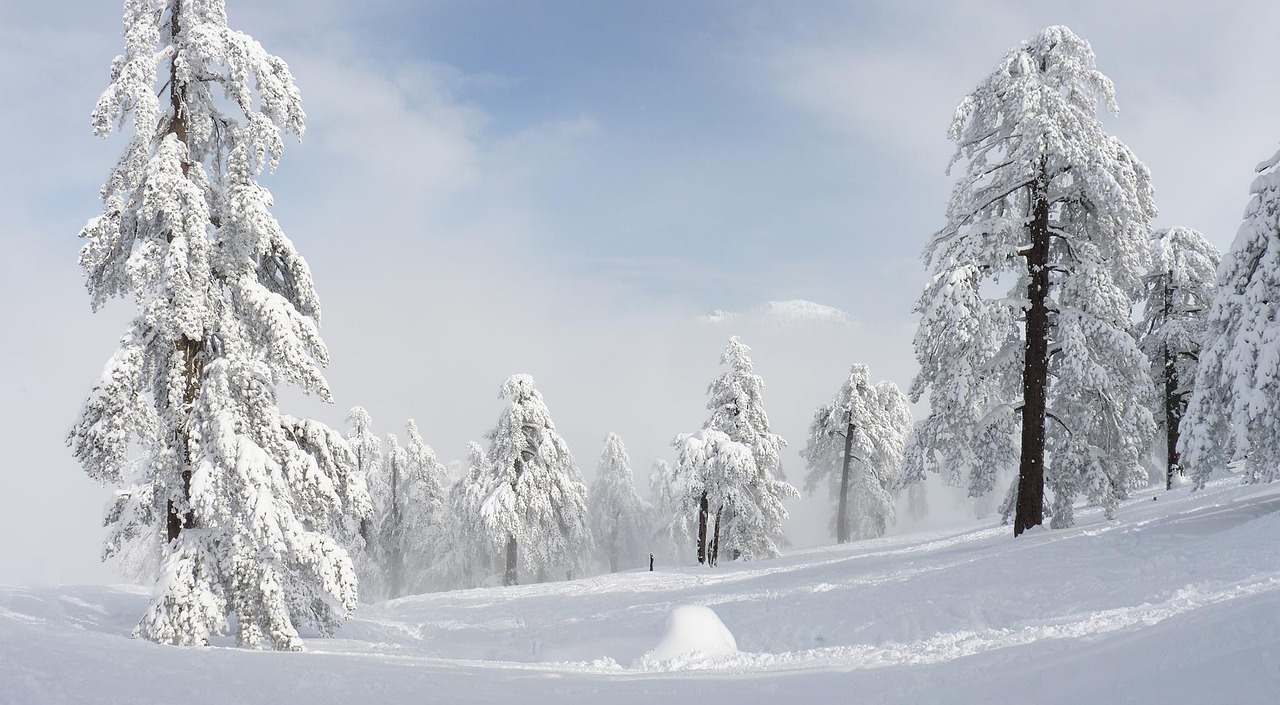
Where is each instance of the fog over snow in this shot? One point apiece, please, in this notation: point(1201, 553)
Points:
point(491, 188)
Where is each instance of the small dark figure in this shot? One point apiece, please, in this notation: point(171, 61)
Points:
point(650, 562)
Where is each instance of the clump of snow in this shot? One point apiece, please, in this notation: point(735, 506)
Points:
point(693, 633)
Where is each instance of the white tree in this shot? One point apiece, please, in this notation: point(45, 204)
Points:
point(1232, 414)
point(672, 524)
point(855, 447)
point(619, 517)
point(536, 502)
point(713, 474)
point(737, 410)
point(1179, 287)
point(409, 513)
point(467, 552)
point(1052, 204)
point(423, 516)
point(246, 497)
point(366, 450)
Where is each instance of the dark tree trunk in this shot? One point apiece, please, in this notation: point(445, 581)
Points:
point(702, 529)
point(1172, 401)
point(397, 552)
point(715, 542)
point(1035, 375)
point(842, 517)
point(190, 350)
point(1172, 418)
point(509, 578)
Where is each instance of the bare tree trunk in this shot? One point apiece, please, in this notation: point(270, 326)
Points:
point(1035, 376)
point(715, 542)
point(1172, 402)
point(702, 529)
point(190, 350)
point(842, 517)
point(509, 578)
point(613, 552)
point(397, 551)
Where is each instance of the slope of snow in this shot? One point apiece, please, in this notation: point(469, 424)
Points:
point(1176, 602)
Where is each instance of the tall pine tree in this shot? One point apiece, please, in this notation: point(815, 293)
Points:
point(736, 401)
point(619, 517)
point(673, 528)
point(246, 497)
point(1232, 414)
point(535, 500)
point(855, 447)
point(1179, 287)
point(1053, 205)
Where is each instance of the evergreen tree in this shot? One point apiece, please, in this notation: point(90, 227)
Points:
point(673, 529)
point(424, 519)
point(534, 497)
point(713, 475)
point(754, 518)
point(856, 446)
point(467, 553)
point(246, 497)
point(619, 517)
point(390, 517)
point(1232, 414)
point(1054, 205)
point(1179, 287)
point(366, 450)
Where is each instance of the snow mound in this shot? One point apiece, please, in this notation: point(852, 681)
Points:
point(784, 313)
point(693, 633)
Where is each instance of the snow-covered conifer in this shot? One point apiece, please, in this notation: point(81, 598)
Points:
point(244, 495)
point(366, 451)
point(1232, 416)
point(855, 447)
point(1179, 287)
point(1052, 204)
point(737, 410)
point(423, 516)
point(390, 517)
point(619, 517)
point(468, 554)
point(536, 502)
point(713, 475)
point(672, 524)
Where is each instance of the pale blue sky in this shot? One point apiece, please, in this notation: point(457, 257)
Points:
point(560, 187)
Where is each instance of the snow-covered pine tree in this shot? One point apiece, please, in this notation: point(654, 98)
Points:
point(1179, 287)
point(423, 515)
point(737, 410)
point(672, 524)
point(1051, 203)
point(536, 502)
point(366, 451)
point(390, 517)
point(1232, 416)
point(713, 475)
point(244, 495)
point(619, 517)
point(467, 553)
point(855, 447)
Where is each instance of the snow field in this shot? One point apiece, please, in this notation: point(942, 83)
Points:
point(1176, 602)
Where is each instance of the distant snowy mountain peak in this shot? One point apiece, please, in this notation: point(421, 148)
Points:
point(796, 311)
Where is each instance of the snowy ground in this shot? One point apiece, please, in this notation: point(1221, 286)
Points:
point(1176, 602)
